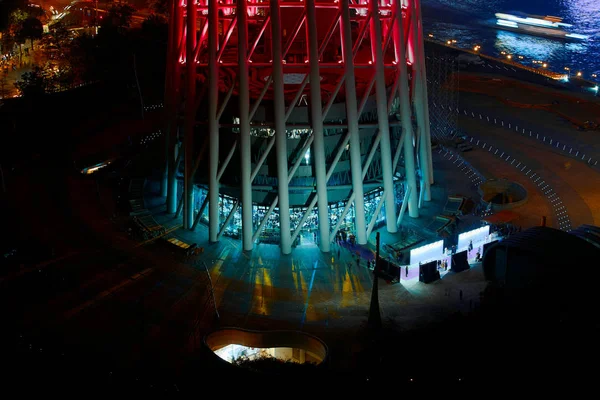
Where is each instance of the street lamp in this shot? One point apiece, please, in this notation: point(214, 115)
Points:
point(544, 65)
point(509, 56)
point(96, 20)
point(578, 74)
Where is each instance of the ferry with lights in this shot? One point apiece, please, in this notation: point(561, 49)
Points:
point(548, 26)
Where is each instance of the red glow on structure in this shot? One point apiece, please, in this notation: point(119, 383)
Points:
point(203, 3)
point(227, 10)
point(294, 44)
point(252, 11)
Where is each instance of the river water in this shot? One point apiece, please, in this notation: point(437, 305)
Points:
point(463, 20)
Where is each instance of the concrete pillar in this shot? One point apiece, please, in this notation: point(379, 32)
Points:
point(244, 107)
point(352, 119)
point(405, 114)
point(317, 126)
point(213, 123)
point(382, 119)
point(190, 117)
point(281, 138)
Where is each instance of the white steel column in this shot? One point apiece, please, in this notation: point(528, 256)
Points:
point(405, 114)
point(190, 117)
point(420, 111)
point(423, 75)
point(352, 119)
point(281, 140)
point(382, 119)
point(317, 125)
point(213, 123)
point(244, 107)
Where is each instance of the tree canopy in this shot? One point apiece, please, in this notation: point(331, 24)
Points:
point(6, 9)
point(118, 17)
point(31, 28)
point(33, 84)
point(159, 6)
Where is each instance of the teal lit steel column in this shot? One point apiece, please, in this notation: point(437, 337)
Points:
point(167, 109)
point(423, 76)
point(352, 118)
point(405, 114)
point(317, 125)
point(173, 110)
point(419, 104)
point(280, 131)
point(382, 119)
point(190, 117)
point(213, 123)
point(244, 109)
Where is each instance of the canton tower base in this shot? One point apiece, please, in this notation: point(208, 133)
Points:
point(293, 112)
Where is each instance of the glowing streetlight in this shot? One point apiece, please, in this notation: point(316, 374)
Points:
point(568, 71)
point(594, 76)
point(578, 74)
point(509, 56)
point(544, 65)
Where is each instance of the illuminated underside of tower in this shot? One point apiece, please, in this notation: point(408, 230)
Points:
point(288, 104)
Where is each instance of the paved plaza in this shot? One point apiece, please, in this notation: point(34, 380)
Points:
point(317, 292)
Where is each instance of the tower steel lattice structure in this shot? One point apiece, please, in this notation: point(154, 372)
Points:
point(284, 104)
point(443, 81)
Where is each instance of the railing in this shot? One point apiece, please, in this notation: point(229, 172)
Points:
point(543, 72)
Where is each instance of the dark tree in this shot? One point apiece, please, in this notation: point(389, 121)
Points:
point(32, 29)
point(61, 34)
point(118, 17)
point(33, 84)
point(160, 6)
point(8, 42)
point(6, 9)
point(155, 28)
point(20, 40)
